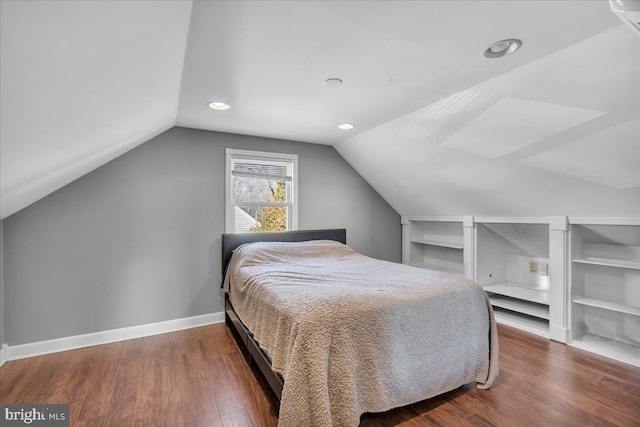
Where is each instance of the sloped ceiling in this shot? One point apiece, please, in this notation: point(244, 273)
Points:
point(557, 136)
point(83, 82)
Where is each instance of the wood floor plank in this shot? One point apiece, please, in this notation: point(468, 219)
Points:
point(620, 419)
point(198, 378)
point(259, 406)
point(229, 390)
point(57, 389)
point(476, 420)
point(625, 387)
point(11, 376)
point(93, 422)
point(203, 384)
point(122, 408)
point(83, 364)
point(150, 396)
point(29, 384)
point(236, 419)
point(103, 383)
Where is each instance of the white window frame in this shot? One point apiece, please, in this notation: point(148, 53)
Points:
point(292, 199)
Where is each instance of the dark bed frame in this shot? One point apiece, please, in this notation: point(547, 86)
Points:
point(249, 348)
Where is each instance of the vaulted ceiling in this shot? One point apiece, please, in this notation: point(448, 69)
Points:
point(83, 82)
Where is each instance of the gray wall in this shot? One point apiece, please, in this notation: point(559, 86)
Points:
point(138, 240)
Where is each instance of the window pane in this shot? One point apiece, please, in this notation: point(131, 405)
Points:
point(258, 190)
point(271, 168)
point(260, 218)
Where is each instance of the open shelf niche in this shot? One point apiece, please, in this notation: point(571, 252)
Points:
point(504, 249)
point(605, 287)
point(435, 243)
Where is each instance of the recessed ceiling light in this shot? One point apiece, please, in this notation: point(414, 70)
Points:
point(502, 48)
point(346, 126)
point(333, 82)
point(217, 105)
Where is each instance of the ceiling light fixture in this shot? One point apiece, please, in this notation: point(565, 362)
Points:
point(502, 48)
point(333, 82)
point(217, 105)
point(346, 126)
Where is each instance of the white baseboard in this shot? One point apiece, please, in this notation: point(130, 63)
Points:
point(22, 351)
point(3, 354)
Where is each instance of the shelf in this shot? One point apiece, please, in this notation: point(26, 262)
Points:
point(520, 292)
point(525, 307)
point(522, 322)
point(441, 243)
point(442, 268)
point(621, 308)
point(623, 352)
point(620, 263)
point(512, 220)
point(412, 218)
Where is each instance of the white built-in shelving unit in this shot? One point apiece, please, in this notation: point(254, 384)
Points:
point(584, 289)
point(605, 287)
point(504, 249)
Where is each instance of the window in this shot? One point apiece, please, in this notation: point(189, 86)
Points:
point(261, 191)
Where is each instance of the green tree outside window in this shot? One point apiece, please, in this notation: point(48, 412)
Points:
point(274, 218)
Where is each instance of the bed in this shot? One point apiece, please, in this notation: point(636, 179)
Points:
point(338, 334)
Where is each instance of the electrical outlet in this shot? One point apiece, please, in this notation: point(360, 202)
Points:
point(533, 267)
point(543, 269)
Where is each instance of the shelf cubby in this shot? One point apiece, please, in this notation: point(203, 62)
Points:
point(434, 243)
point(605, 288)
point(504, 250)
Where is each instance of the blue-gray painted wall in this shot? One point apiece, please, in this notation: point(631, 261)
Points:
point(138, 240)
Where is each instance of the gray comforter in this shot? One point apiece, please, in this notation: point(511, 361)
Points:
point(351, 334)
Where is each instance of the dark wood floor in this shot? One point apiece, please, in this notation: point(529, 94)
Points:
point(198, 378)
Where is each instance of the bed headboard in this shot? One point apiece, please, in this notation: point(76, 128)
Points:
point(230, 241)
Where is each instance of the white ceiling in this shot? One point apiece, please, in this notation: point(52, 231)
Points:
point(83, 82)
point(570, 118)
